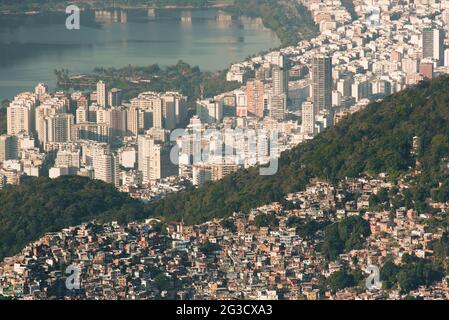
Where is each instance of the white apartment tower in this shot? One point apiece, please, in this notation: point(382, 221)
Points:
point(106, 168)
point(145, 155)
point(20, 115)
point(102, 94)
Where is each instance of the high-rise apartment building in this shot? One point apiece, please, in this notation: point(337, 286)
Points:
point(308, 118)
point(280, 80)
point(145, 151)
point(180, 102)
point(210, 110)
point(151, 105)
point(279, 96)
point(42, 113)
point(68, 158)
point(154, 159)
point(169, 112)
point(115, 97)
point(58, 128)
point(21, 113)
point(102, 94)
point(322, 82)
point(82, 114)
point(255, 90)
point(91, 131)
point(106, 168)
point(278, 107)
point(132, 119)
point(117, 122)
point(160, 110)
point(8, 148)
point(433, 44)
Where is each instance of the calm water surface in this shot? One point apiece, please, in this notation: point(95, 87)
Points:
point(32, 47)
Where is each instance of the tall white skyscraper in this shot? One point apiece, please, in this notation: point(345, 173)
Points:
point(132, 120)
point(154, 159)
point(102, 94)
point(106, 168)
point(144, 154)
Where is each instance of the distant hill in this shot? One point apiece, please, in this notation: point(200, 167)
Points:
point(377, 139)
point(43, 205)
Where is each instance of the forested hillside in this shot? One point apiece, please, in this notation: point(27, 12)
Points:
point(43, 205)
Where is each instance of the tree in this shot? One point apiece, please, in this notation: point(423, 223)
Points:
point(266, 220)
point(228, 224)
point(209, 248)
point(162, 282)
point(343, 236)
point(44, 205)
point(340, 280)
point(388, 273)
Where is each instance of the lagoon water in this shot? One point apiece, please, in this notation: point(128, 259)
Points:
point(33, 46)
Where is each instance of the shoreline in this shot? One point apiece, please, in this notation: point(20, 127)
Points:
point(82, 8)
point(229, 9)
point(233, 9)
point(214, 71)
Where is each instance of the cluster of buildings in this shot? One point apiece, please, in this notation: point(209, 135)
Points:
point(392, 45)
point(286, 97)
point(232, 258)
point(94, 135)
point(136, 145)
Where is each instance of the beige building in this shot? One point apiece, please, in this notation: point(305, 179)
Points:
point(20, 114)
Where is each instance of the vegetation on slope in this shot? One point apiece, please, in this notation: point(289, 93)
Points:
point(344, 236)
point(377, 139)
point(291, 21)
point(43, 205)
point(412, 273)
